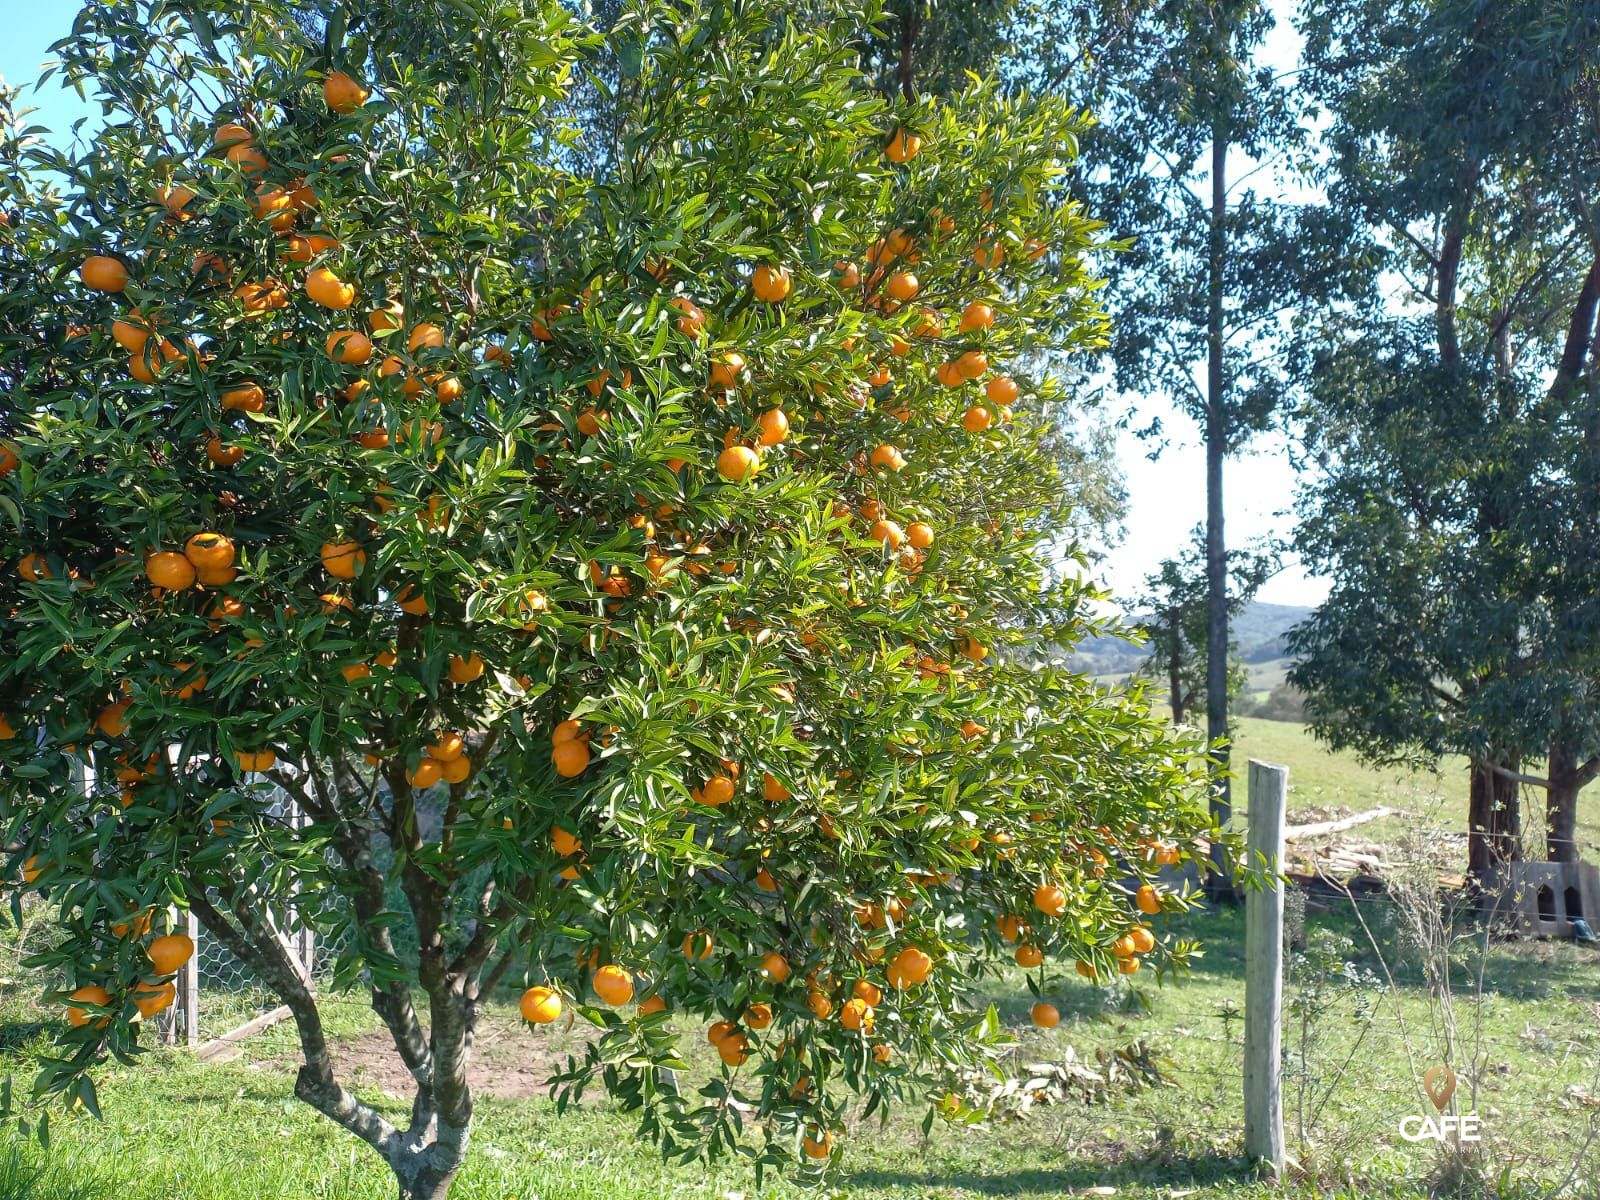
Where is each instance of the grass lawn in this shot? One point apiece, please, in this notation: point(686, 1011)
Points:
point(175, 1128)
point(1426, 801)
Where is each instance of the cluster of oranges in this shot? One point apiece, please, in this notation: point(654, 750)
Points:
point(92, 1003)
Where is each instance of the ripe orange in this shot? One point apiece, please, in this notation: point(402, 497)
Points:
point(903, 286)
point(209, 551)
point(697, 945)
point(8, 458)
point(255, 760)
point(976, 315)
point(882, 1053)
point(849, 274)
point(1143, 940)
point(867, 992)
point(1128, 965)
point(738, 464)
point(151, 997)
point(425, 774)
point(903, 146)
point(989, 255)
point(691, 321)
point(909, 967)
point(447, 746)
point(770, 284)
point(972, 364)
point(920, 534)
point(411, 600)
point(169, 952)
point(540, 1005)
point(231, 134)
point(773, 789)
point(887, 457)
point(856, 1015)
point(1049, 899)
point(169, 569)
point(613, 985)
point(32, 567)
point(734, 1049)
point(654, 1004)
point(774, 426)
point(261, 297)
point(425, 336)
point(1002, 390)
point(726, 370)
point(765, 881)
point(1148, 899)
point(343, 94)
point(221, 454)
point(328, 290)
point(91, 994)
point(976, 419)
point(343, 560)
point(465, 670)
point(758, 1016)
point(1046, 1016)
point(1029, 955)
point(244, 397)
point(303, 247)
point(774, 966)
point(247, 158)
point(570, 758)
point(887, 533)
point(1011, 927)
point(819, 1004)
point(350, 347)
point(718, 1030)
point(102, 273)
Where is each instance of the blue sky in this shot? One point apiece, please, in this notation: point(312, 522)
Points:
point(1166, 497)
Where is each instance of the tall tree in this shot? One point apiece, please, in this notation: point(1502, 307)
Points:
point(1454, 414)
point(1173, 613)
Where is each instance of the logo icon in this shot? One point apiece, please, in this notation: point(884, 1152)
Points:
point(1440, 1084)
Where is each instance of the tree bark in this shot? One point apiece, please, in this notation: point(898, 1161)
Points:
point(908, 52)
point(1494, 820)
point(1216, 435)
point(1567, 778)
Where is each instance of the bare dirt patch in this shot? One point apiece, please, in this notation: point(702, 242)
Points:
point(509, 1061)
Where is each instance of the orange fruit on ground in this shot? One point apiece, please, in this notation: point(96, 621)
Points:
point(976, 419)
point(1002, 390)
point(774, 426)
point(343, 560)
point(328, 290)
point(92, 994)
point(774, 967)
point(697, 945)
point(909, 967)
point(540, 1005)
point(770, 284)
point(570, 758)
point(1148, 899)
point(209, 551)
point(244, 397)
point(465, 670)
point(349, 346)
point(613, 985)
point(255, 760)
point(903, 146)
point(169, 569)
point(169, 952)
point(425, 774)
point(1029, 955)
point(1049, 899)
point(151, 997)
point(102, 273)
point(920, 534)
point(343, 94)
point(1046, 1016)
point(737, 464)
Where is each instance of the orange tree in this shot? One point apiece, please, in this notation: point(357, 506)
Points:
point(627, 574)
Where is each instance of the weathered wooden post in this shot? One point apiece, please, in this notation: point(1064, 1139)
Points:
point(189, 985)
point(1263, 966)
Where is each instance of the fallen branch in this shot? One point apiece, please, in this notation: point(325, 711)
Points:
point(1301, 832)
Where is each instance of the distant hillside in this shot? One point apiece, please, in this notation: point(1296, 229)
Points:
point(1259, 632)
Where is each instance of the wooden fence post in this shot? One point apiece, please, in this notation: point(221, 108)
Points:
point(1263, 965)
point(189, 986)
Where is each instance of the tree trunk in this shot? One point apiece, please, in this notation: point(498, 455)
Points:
point(1494, 820)
point(1216, 434)
point(428, 1170)
point(1561, 805)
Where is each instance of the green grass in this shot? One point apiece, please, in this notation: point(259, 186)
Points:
point(1426, 800)
point(176, 1128)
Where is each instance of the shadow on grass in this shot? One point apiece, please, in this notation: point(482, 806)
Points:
point(16, 1034)
point(1166, 1170)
